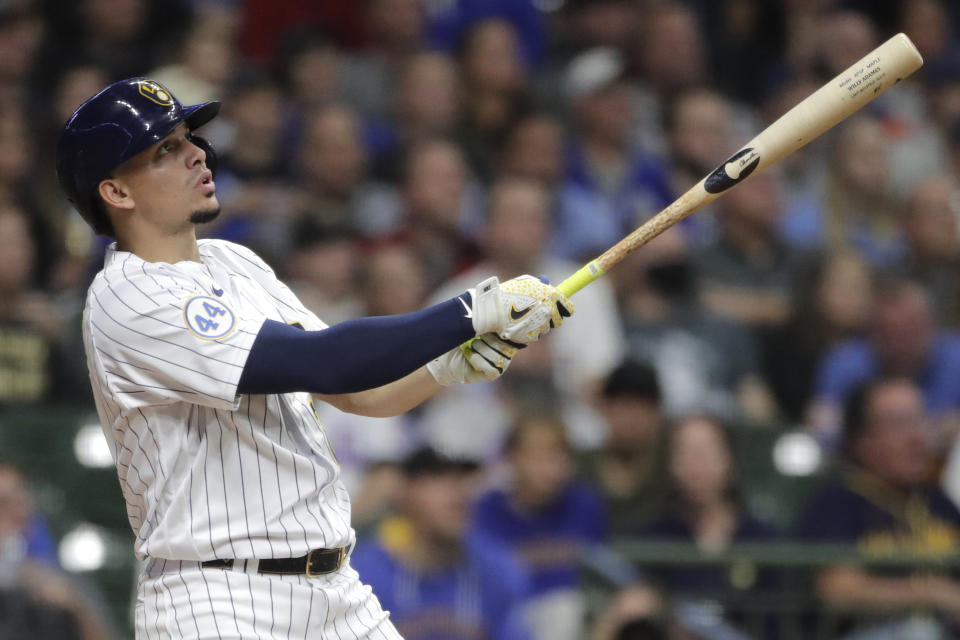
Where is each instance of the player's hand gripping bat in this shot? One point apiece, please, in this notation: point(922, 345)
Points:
point(870, 76)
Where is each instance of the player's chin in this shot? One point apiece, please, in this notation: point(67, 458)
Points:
point(206, 214)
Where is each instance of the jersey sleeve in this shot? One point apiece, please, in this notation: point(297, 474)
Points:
point(160, 342)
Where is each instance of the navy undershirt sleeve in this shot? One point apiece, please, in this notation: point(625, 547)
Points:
point(354, 355)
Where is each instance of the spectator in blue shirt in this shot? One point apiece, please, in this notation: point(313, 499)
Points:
point(437, 582)
point(548, 520)
point(611, 185)
point(903, 341)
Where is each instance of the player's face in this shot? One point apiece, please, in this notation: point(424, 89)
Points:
point(170, 183)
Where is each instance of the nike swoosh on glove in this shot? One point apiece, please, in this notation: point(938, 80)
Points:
point(519, 310)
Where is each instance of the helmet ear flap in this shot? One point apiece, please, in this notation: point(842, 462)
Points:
point(208, 149)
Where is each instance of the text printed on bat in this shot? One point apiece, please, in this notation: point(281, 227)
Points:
point(870, 76)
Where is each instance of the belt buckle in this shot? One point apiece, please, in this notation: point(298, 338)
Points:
point(313, 574)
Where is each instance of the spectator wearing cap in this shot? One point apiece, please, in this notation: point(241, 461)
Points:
point(628, 470)
point(548, 520)
point(886, 502)
point(611, 185)
point(438, 582)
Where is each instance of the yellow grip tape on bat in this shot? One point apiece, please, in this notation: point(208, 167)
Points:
point(581, 278)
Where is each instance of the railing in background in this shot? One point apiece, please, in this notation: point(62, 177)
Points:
point(789, 610)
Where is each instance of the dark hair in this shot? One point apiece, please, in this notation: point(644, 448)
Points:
point(808, 322)
point(100, 220)
point(642, 629)
point(531, 421)
point(310, 231)
point(295, 43)
point(633, 379)
point(427, 461)
point(248, 79)
point(469, 33)
point(733, 491)
point(856, 406)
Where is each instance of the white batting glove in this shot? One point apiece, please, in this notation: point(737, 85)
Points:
point(482, 359)
point(519, 310)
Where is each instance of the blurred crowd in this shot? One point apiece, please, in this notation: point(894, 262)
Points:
point(385, 154)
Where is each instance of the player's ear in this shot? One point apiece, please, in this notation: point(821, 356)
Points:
point(115, 193)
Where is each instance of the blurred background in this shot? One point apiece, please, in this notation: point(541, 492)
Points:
point(748, 430)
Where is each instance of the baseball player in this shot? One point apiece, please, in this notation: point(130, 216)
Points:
point(203, 364)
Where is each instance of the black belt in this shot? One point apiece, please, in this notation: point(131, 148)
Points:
point(316, 563)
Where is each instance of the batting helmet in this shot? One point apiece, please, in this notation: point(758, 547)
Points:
point(112, 127)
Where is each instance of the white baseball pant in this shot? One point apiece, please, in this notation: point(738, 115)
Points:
point(182, 600)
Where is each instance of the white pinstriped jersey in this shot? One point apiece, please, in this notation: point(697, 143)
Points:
point(207, 473)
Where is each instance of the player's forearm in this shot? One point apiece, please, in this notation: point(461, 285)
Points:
point(390, 399)
point(353, 356)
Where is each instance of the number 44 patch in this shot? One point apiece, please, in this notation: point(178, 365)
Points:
point(208, 317)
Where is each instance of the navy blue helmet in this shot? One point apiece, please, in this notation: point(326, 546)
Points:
point(112, 127)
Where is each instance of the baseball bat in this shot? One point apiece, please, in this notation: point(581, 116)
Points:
point(863, 81)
